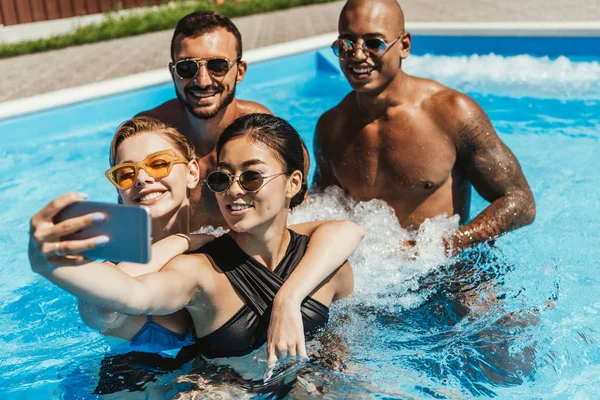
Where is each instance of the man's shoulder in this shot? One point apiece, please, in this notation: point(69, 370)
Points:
point(451, 110)
point(443, 101)
point(337, 115)
point(246, 107)
point(169, 112)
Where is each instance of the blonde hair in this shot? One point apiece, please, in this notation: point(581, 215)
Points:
point(140, 125)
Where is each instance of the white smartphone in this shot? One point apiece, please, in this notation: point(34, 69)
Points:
point(128, 227)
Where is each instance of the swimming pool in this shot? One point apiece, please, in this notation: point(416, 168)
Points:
point(403, 332)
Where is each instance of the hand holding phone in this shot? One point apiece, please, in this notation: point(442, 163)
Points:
point(127, 227)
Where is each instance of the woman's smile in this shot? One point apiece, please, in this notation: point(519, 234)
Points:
point(239, 209)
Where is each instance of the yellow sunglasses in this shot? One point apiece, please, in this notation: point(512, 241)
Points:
point(157, 165)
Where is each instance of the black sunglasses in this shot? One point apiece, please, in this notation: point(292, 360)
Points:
point(346, 48)
point(250, 181)
point(216, 67)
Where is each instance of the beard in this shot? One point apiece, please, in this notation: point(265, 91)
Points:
point(206, 113)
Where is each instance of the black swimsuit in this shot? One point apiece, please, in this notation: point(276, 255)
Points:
point(257, 285)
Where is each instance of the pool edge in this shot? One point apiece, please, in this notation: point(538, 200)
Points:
point(109, 87)
point(78, 94)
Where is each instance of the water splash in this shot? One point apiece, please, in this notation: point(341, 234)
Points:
point(386, 269)
point(447, 325)
point(514, 76)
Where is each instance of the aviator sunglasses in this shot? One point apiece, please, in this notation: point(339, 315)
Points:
point(250, 181)
point(217, 67)
point(157, 165)
point(346, 48)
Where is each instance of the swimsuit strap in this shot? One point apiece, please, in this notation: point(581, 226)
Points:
point(257, 284)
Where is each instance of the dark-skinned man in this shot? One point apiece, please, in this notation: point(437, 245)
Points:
point(413, 142)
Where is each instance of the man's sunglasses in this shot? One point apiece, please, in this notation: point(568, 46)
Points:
point(157, 165)
point(346, 48)
point(216, 67)
point(250, 181)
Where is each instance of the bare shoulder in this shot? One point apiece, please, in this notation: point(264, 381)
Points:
point(456, 113)
point(196, 266)
point(344, 281)
point(448, 102)
point(194, 260)
point(246, 107)
point(341, 111)
point(332, 121)
point(345, 272)
point(170, 112)
point(434, 96)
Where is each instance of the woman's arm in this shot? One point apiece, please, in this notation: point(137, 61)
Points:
point(98, 283)
point(164, 251)
point(106, 286)
point(330, 245)
point(107, 321)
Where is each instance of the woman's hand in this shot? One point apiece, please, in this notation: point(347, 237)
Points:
point(46, 250)
point(285, 336)
point(330, 245)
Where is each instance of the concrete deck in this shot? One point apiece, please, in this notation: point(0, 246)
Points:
point(45, 72)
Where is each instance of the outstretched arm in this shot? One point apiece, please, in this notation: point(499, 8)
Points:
point(159, 293)
point(163, 251)
point(495, 173)
point(330, 245)
point(98, 283)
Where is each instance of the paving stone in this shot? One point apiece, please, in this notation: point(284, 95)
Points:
point(35, 74)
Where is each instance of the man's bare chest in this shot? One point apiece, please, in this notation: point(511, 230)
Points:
point(398, 156)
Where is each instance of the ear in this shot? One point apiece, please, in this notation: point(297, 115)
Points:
point(241, 73)
point(405, 45)
point(172, 71)
point(294, 184)
point(193, 174)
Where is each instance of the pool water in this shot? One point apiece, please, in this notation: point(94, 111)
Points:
point(514, 319)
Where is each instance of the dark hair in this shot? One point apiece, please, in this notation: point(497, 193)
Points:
point(201, 22)
point(277, 134)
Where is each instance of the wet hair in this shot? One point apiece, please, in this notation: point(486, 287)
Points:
point(139, 125)
point(201, 22)
point(278, 135)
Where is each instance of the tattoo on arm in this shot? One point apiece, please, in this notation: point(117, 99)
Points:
point(496, 174)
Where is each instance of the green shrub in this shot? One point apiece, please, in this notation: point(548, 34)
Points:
point(148, 20)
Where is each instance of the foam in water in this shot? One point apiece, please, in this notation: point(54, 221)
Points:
point(386, 271)
point(514, 76)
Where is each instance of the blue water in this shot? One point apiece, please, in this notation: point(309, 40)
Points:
point(532, 331)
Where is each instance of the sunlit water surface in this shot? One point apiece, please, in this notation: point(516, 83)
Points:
point(515, 319)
